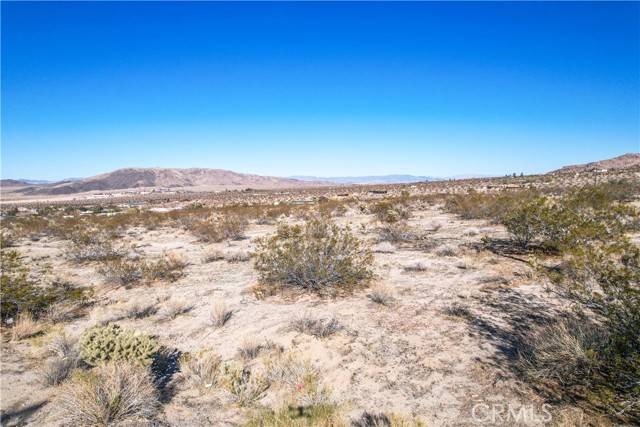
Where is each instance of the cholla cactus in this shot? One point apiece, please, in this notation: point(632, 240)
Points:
point(104, 343)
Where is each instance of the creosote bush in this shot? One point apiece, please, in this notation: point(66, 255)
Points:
point(599, 270)
point(226, 227)
point(122, 272)
point(318, 256)
point(19, 292)
point(92, 247)
point(109, 395)
point(101, 344)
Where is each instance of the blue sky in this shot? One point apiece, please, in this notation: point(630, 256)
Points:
point(317, 88)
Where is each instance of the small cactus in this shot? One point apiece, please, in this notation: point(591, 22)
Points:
point(105, 343)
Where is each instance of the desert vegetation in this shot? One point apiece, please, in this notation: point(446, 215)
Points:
point(381, 309)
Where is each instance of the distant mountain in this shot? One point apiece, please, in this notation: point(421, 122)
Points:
point(14, 182)
point(625, 161)
point(375, 179)
point(131, 178)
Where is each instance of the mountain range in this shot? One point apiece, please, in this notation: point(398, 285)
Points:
point(201, 179)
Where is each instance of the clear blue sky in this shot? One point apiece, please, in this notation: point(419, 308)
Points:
point(317, 88)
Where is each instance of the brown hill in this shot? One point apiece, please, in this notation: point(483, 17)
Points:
point(131, 178)
point(625, 161)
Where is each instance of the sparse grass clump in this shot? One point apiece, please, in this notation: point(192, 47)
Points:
point(381, 419)
point(317, 327)
point(381, 295)
point(173, 308)
point(565, 351)
point(416, 267)
point(318, 256)
point(201, 370)
point(214, 255)
point(25, 327)
point(237, 256)
point(220, 314)
point(397, 232)
point(63, 358)
point(109, 395)
point(246, 386)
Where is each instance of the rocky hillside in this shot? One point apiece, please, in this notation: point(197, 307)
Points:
point(129, 178)
point(625, 161)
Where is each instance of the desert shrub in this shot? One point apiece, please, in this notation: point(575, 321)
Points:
point(458, 310)
point(201, 370)
point(101, 344)
point(122, 272)
point(568, 222)
point(227, 227)
point(565, 351)
point(246, 386)
point(18, 292)
point(415, 267)
point(63, 358)
point(220, 314)
point(599, 270)
point(326, 415)
point(109, 395)
point(237, 256)
point(492, 206)
point(7, 239)
point(381, 419)
point(167, 267)
point(25, 327)
point(92, 247)
point(214, 255)
point(381, 295)
point(317, 327)
point(390, 212)
point(173, 308)
point(446, 250)
point(139, 309)
point(318, 256)
point(397, 232)
point(527, 222)
point(288, 368)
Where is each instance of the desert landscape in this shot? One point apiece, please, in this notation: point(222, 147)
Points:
point(319, 214)
point(435, 303)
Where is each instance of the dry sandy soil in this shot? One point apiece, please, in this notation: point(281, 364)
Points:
point(413, 357)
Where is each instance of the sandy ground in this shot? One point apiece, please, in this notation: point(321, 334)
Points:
point(410, 358)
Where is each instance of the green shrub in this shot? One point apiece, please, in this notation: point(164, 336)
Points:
point(166, 267)
point(122, 271)
point(227, 227)
point(92, 247)
point(101, 344)
point(599, 270)
point(389, 212)
point(19, 293)
point(318, 256)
